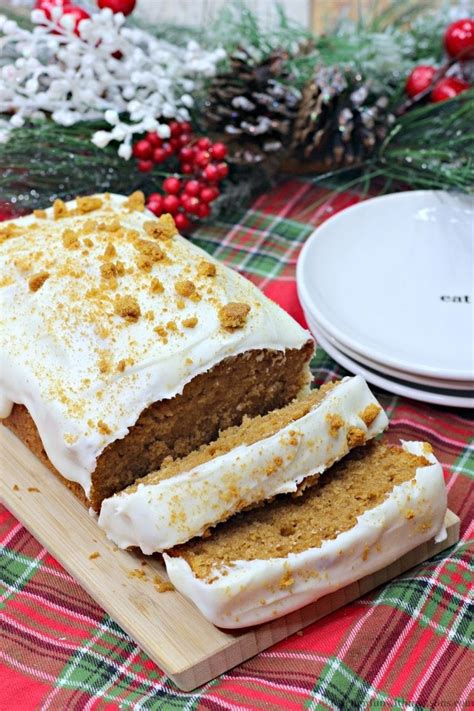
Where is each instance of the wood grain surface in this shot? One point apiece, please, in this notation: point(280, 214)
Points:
point(164, 624)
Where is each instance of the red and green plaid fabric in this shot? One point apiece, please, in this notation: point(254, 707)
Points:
point(407, 645)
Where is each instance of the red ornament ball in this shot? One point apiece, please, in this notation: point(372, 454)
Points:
point(419, 79)
point(172, 186)
point(459, 39)
point(124, 6)
point(145, 165)
point(448, 88)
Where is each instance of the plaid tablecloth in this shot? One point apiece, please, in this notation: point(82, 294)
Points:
point(407, 645)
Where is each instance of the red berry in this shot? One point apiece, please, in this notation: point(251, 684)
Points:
point(155, 203)
point(211, 172)
point(186, 127)
point(78, 14)
point(459, 39)
point(143, 149)
point(186, 168)
point(204, 144)
point(168, 149)
point(192, 188)
point(153, 138)
point(185, 138)
point(175, 128)
point(181, 221)
point(223, 170)
point(203, 210)
point(159, 155)
point(175, 143)
point(218, 151)
point(208, 194)
point(145, 165)
point(186, 154)
point(193, 205)
point(448, 88)
point(170, 204)
point(124, 6)
point(419, 79)
point(202, 158)
point(172, 185)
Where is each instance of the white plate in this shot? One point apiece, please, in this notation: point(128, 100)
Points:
point(398, 387)
point(392, 279)
point(453, 385)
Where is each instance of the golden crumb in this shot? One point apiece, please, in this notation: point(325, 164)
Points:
point(103, 427)
point(88, 204)
point(108, 270)
point(94, 555)
point(409, 513)
point(88, 242)
point(59, 209)
point(34, 490)
point(113, 226)
point(162, 333)
point(427, 448)
point(163, 228)
point(15, 487)
point(11, 230)
point(120, 268)
point(190, 322)
point(180, 303)
point(156, 286)
point(335, 422)
point(135, 201)
point(37, 280)
point(185, 287)
point(171, 326)
point(206, 269)
point(150, 315)
point(128, 308)
point(286, 580)
point(121, 365)
point(40, 214)
point(355, 437)
point(233, 315)
point(369, 414)
point(89, 227)
point(70, 239)
point(162, 585)
point(109, 252)
point(137, 573)
point(365, 553)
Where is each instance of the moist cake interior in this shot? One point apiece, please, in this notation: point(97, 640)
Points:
point(292, 524)
point(250, 431)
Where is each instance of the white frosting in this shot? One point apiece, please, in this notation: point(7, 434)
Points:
point(54, 341)
point(250, 592)
point(158, 516)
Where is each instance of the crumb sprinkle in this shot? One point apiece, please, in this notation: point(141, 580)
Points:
point(233, 315)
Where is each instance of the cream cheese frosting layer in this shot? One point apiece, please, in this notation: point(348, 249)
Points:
point(251, 592)
point(76, 350)
point(157, 516)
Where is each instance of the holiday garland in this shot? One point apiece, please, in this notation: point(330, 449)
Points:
point(90, 101)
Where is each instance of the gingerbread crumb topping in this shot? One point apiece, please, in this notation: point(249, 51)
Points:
point(88, 204)
point(156, 286)
point(355, 437)
point(37, 280)
point(163, 228)
point(59, 209)
point(103, 427)
point(190, 322)
point(128, 308)
point(335, 422)
point(135, 201)
point(40, 214)
point(233, 315)
point(206, 269)
point(70, 239)
point(369, 414)
point(185, 287)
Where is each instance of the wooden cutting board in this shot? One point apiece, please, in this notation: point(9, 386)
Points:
point(165, 625)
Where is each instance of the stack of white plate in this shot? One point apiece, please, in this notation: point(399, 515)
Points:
point(387, 287)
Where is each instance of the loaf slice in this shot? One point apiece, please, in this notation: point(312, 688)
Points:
point(364, 513)
point(265, 456)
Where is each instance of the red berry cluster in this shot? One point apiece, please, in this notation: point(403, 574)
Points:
point(201, 169)
point(459, 46)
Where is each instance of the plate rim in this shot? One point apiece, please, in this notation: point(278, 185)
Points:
point(303, 295)
point(391, 387)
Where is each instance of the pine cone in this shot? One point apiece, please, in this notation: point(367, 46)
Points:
point(252, 107)
point(340, 120)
